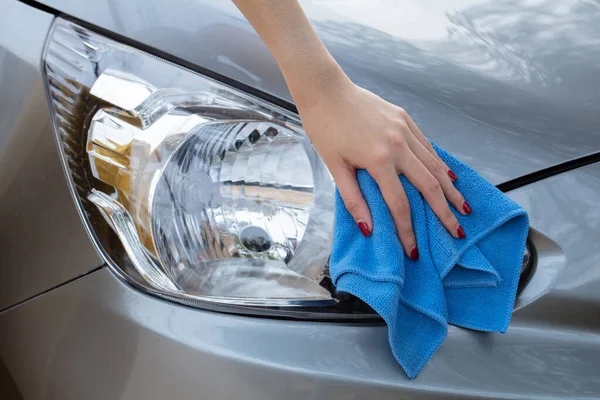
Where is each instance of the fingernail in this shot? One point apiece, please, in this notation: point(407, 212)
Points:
point(452, 175)
point(364, 228)
point(467, 208)
point(460, 232)
point(414, 254)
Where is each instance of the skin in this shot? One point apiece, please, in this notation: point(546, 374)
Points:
point(340, 118)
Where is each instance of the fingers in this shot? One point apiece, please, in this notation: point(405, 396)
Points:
point(397, 202)
point(438, 170)
point(416, 131)
point(345, 178)
point(431, 189)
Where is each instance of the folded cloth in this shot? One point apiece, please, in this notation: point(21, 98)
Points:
point(469, 282)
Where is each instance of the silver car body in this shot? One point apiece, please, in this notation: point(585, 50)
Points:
point(511, 87)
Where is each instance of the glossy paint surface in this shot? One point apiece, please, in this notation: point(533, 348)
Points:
point(42, 240)
point(121, 344)
point(508, 86)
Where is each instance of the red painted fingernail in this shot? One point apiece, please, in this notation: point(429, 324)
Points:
point(414, 254)
point(364, 228)
point(452, 175)
point(467, 208)
point(461, 232)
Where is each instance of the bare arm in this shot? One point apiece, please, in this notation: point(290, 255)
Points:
point(304, 61)
point(352, 128)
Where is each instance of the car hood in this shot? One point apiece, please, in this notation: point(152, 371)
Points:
point(509, 87)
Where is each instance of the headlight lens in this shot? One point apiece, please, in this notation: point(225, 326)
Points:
point(205, 193)
point(190, 189)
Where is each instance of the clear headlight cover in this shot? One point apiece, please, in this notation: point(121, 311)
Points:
point(190, 188)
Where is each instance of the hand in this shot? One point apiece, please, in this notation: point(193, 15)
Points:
point(352, 129)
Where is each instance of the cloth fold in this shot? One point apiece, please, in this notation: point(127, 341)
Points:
point(469, 282)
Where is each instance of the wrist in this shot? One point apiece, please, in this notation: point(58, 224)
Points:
point(313, 86)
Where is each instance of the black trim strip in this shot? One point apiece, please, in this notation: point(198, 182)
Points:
point(41, 6)
point(548, 172)
point(52, 288)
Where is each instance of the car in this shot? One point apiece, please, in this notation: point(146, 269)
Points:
point(165, 224)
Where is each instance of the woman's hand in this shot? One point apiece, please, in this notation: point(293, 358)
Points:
point(352, 129)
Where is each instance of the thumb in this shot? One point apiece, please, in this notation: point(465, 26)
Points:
point(345, 179)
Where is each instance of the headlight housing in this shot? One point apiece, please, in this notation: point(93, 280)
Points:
point(190, 189)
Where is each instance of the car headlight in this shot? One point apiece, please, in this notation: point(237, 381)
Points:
point(190, 189)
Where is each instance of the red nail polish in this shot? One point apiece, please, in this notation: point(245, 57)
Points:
point(467, 208)
point(452, 175)
point(414, 254)
point(364, 228)
point(461, 232)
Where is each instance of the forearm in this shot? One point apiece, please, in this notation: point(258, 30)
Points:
point(307, 66)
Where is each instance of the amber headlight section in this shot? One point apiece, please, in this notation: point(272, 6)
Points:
point(190, 189)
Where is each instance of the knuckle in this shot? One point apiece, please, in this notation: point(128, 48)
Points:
point(436, 167)
point(382, 155)
point(396, 140)
point(432, 187)
point(352, 205)
point(456, 197)
point(402, 126)
point(448, 217)
point(402, 112)
point(401, 208)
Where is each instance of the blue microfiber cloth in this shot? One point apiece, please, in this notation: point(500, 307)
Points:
point(469, 282)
